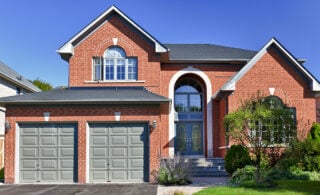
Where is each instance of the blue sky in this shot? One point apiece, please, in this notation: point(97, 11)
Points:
point(31, 31)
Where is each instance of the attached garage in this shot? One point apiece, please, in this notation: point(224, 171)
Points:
point(118, 152)
point(47, 153)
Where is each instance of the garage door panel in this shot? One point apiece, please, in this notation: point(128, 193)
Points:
point(48, 140)
point(118, 163)
point(48, 152)
point(99, 140)
point(66, 175)
point(48, 130)
point(29, 141)
point(118, 130)
point(29, 152)
point(66, 152)
point(99, 163)
point(66, 140)
point(99, 175)
point(117, 152)
point(67, 129)
point(135, 174)
point(136, 163)
point(30, 176)
point(100, 152)
point(118, 175)
point(136, 140)
point(29, 164)
point(29, 131)
point(48, 176)
point(136, 151)
point(99, 129)
point(48, 164)
point(118, 140)
point(66, 163)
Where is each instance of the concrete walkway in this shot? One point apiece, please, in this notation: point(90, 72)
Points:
point(198, 183)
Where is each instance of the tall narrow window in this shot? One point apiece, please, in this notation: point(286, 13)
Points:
point(97, 66)
point(115, 65)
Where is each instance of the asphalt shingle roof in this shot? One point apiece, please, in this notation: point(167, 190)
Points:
point(207, 52)
point(9, 74)
point(93, 95)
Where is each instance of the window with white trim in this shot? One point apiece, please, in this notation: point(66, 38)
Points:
point(115, 66)
point(276, 130)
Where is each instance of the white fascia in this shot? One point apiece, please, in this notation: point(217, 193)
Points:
point(67, 48)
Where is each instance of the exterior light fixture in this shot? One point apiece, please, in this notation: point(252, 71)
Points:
point(7, 126)
point(154, 124)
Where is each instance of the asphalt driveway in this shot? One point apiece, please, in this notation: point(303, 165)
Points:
point(79, 189)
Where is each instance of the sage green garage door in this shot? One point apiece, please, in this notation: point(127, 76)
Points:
point(47, 153)
point(118, 152)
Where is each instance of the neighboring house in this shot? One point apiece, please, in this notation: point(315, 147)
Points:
point(11, 83)
point(133, 100)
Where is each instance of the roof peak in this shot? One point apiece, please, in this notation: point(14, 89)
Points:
point(67, 49)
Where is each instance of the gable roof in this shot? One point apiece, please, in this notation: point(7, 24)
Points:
point(207, 52)
point(9, 74)
point(67, 48)
point(231, 84)
point(88, 95)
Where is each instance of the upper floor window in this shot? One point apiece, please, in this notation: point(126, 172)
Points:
point(114, 65)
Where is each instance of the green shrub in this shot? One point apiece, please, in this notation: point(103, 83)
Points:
point(315, 133)
point(173, 171)
point(248, 173)
point(246, 177)
point(305, 154)
point(237, 157)
point(294, 173)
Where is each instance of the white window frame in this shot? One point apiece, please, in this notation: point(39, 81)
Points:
point(103, 62)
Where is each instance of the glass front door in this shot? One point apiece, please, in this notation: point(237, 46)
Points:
point(188, 139)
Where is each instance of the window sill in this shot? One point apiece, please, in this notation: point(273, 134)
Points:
point(116, 81)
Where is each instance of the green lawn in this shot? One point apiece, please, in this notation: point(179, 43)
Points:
point(284, 187)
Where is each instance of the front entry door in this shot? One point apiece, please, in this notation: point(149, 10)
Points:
point(188, 139)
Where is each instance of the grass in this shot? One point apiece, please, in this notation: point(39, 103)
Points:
point(284, 187)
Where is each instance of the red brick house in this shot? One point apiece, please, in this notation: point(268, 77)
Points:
point(132, 100)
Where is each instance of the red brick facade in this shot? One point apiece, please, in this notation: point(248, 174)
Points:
point(271, 70)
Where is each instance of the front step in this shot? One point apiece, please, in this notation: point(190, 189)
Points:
point(207, 167)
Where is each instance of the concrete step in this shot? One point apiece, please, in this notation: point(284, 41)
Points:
point(207, 167)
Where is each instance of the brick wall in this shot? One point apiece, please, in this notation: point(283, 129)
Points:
point(134, 44)
point(81, 115)
point(294, 90)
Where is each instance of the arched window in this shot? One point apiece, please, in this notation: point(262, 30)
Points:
point(188, 96)
point(114, 65)
point(279, 129)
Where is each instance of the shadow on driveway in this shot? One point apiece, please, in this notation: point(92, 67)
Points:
point(79, 189)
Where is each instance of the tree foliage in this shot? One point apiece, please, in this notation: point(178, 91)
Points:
point(43, 85)
point(258, 124)
point(237, 157)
